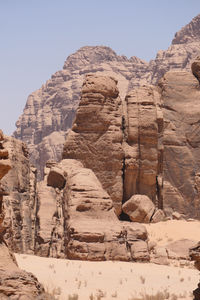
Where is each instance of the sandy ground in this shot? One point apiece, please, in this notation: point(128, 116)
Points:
point(169, 231)
point(113, 280)
point(119, 280)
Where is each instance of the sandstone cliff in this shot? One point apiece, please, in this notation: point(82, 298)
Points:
point(120, 143)
point(49, 111)
point(14, 283)
point(105, 162)
point(82, 224)
point(180, 97)
point(21, 202)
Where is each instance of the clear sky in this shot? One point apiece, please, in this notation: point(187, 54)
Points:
point(36, 36)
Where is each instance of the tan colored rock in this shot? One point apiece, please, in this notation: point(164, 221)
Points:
point(194, 253)
point(196, 68)
point(139, 208)
point(88, 226)
point(98, 143)
point(21, 202)
point(14, 283)
point(160, 256)
point(158, 216)
point(143, 145)
point(49, 111)
point(180, 97)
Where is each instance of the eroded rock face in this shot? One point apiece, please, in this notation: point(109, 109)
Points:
point(97, 143)
point(89, 227)
point(143, 145)
point(20, 203)
point(49, 111)
point(195, 255)
point(121, 144)
point(14, 283)
point(180, 97)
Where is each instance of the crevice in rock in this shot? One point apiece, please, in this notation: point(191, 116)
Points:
point(139, 150)
point(124, 217)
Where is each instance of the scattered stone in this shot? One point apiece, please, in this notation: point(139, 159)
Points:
point(177, 216)
point(158, 216)
point(139, 208)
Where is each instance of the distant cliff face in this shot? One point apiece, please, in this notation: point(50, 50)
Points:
point(50, 111)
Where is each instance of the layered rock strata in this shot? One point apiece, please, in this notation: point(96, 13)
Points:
point(49, 111)
point(91, 229)
point(14, 283)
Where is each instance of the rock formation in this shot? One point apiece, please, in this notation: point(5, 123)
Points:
point(196, 68)
point(81, 197)
point(14, 283)
point(21, 202)
point(143, 145)
point(122, 145)
point(97, 143)
point(195, 255)
point(49, 112)
point(180, 98)
point(83, 224)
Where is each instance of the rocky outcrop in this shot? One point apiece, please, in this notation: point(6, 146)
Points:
point(49, 111)
point(122, 145)
point(21, 202)
point(98, 142)
point(196, 68)
point(14, 283)
point(89, 227)
point(195, 255)
point(143, 145)
point(180, 98)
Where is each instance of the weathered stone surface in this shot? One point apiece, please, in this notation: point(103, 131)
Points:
point(196, 68)
point(158, 216)
point(49, 111)
point(56, 178)
point(180, 97)
point(89, 227)
point(14, 283)
point(194, 253)
point(160, 256)
point(139, 208)
point(123, 148)
point(143, 145)
point(98, 143)
point(21, 201)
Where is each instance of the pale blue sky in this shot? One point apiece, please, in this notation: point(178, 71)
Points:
point(38, 35)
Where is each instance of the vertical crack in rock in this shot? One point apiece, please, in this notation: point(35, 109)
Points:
point(143, 145)
point(139, 147)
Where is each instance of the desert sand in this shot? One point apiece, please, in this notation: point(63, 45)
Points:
point(169, 231)
point(70, 279)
